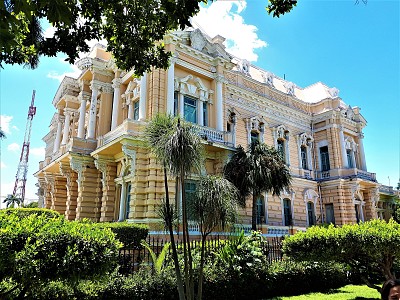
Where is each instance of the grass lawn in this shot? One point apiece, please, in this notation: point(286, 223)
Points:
point(349, 292)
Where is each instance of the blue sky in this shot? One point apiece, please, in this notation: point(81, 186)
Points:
point(354, 48)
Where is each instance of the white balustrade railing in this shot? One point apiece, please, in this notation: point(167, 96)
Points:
point(210, 134)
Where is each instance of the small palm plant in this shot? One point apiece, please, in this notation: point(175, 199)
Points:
point(158, 262)
point(12, 201)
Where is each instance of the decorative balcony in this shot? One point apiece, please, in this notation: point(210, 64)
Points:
point(346, 174)
point(215, 136)
point(386, 189)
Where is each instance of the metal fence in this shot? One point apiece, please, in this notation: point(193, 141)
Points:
point(131, 259)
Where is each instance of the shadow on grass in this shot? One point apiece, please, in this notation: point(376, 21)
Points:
point(364, 298)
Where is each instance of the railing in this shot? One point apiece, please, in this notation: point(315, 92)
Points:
point(386, 189)
point(213, 135)
point(132, 259)
point(366, 175)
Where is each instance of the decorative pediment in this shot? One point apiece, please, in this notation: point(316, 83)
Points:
point(334, 92)
point(193, 86)
point(350, 143)
point(197, 40)
point(214, 48)
point(290, 88)
point(255, 123)
point(310, 195)
point(244, 67)
point(349, 113)
point(305, 139)
point(268, 78)
point(282, 132)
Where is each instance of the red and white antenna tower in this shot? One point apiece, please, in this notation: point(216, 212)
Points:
point(22, 171)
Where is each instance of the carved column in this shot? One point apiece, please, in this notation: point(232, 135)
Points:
point(362, 153)
point(48, 191)
point(298, 138)
point(343, 148)
point(115, 107)
point(122, 202)
point(219, 105)
point(143, 98)
point(72, 190)
point(93, 110)
point(57, 141)
point(200, 114)
point(181, 106)
point(88, 187)
point(68, 113)
point(171, 87)
point(287, 149)
point(82, 114)
point(309, 156)
point(108, 170)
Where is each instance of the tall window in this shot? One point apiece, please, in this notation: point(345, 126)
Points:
point(205, 114)
point(303, 153)
point(190, 189)
point(190, 109)
point(287, 212)
point(323, 151)
point(176, 103)
point(310, 213)
point(128, 201)
point(136, 110)
point(330, 215)
point(350, 158)
point(260, 210)
point(255, 136)
point(281, 149)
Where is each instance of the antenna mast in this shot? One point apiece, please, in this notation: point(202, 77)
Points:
point(22, 171)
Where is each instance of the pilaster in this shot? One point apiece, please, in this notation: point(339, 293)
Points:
point(89, 188)
point(59, 202)
point(108, 170)
point(72, 190)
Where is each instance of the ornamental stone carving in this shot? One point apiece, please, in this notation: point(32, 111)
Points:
point(290, 88)
point(131, 156)
point(197, 40)
point(333, 92)
point(244, 67)
point(282, 132)
point(102, 165)
point(268, 78)
point(305, 139)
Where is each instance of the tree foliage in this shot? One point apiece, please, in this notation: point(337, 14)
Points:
point(35, 250)
point(259, 169)
point(366, 247)
point(13, 201)
point(133, 29)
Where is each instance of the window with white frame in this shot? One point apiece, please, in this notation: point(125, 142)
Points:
point(136, 110)
point(190, 109)
point(303, 154)
point(205, 114)
point(128, 201)
point(324, 154)
point(311, 213)
point(287, 212)
point(281, 149)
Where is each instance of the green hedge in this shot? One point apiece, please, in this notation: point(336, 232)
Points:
point(36, 250)
point(129, 234)
point(26, 212)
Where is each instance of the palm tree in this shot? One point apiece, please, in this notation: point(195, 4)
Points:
point(2, 134)
point(12, 201)
point(177, 146)
point(257, 170)
point(213, 205)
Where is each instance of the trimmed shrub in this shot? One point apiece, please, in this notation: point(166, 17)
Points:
point(129, 234)
point(367, 248)
point(35, 250)
point(26, 212)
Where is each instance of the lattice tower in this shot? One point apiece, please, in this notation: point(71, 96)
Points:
point(22, 171)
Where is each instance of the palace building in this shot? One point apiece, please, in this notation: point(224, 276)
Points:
point(97, 166)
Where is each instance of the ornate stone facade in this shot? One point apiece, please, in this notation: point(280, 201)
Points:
point(97, 166)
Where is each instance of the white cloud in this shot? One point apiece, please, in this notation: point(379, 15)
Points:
point(223, 18)
point(73, 72)
point(2, 165)
point(5, 122)
point(40, 151)
point(13, 147)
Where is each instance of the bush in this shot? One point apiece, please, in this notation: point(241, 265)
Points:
point(288, 278)
point(35, 250)
point(367, 248)
point(129, 234)
point(26, 212)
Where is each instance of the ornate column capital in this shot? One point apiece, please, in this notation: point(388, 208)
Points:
point(95, 85)
point(116, 83)
point(220, 78)
point(361, 135)
point(103, 164)
point(131, 155)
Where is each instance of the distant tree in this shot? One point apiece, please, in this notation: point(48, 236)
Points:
point(257, 170)
point(2, 134)
point(33, 204)
point(12, 201)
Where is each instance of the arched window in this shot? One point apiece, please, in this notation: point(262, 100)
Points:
point(287, 212)
point(255, 136)
point(311, 213)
